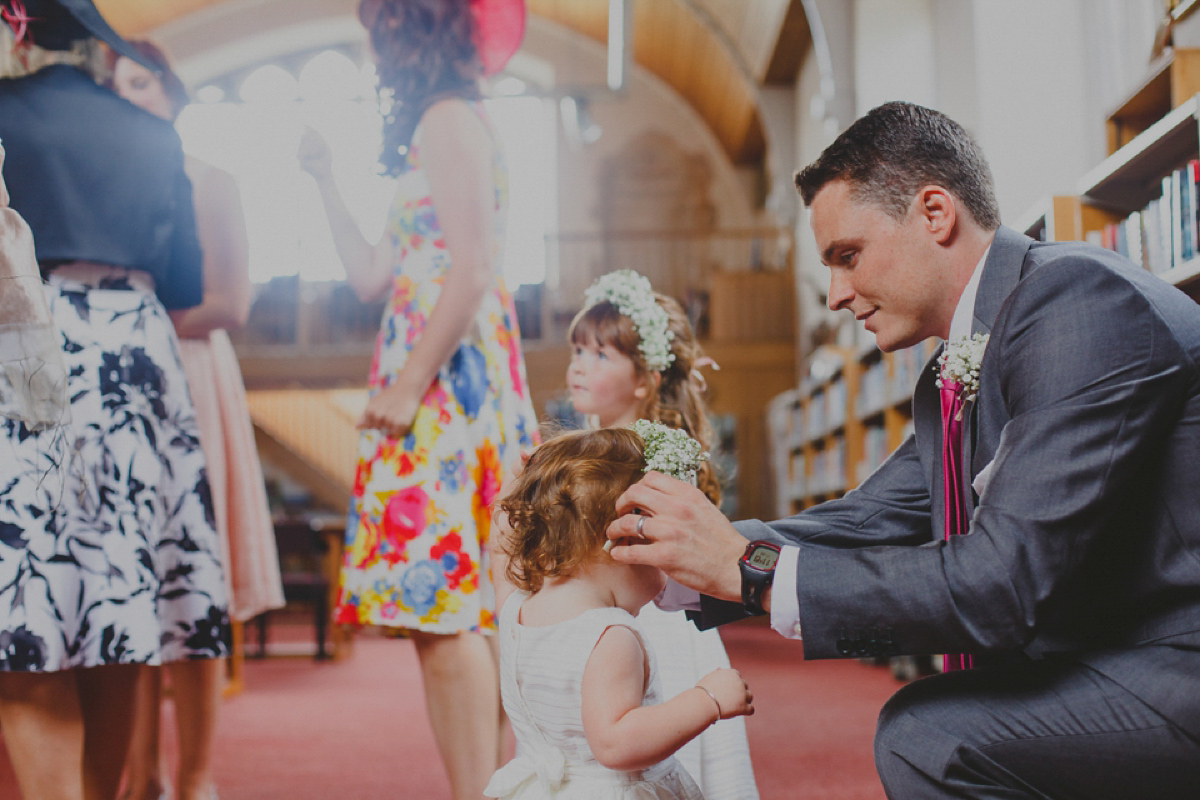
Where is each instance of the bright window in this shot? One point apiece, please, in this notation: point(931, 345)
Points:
point(255, 136)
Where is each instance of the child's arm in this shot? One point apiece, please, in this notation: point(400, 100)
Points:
point(622, 733)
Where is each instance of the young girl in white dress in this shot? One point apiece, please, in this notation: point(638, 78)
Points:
point(578, 680)
point(635, 356)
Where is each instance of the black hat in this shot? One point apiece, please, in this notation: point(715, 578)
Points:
point(57, 24)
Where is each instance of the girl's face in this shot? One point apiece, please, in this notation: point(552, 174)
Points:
point(141, 87)
point(604, 382)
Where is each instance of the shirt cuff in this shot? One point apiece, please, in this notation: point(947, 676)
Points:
point(677, 597)
point(785, 604)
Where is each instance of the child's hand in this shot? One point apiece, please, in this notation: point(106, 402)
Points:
point(730, 691)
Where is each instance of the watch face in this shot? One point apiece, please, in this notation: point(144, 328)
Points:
point(763, 558)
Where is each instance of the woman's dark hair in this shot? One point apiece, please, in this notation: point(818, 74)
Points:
point(887, 155)
point(424, 52)
point(177, 94)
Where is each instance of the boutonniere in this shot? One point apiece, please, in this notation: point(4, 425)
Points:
point(958, 365)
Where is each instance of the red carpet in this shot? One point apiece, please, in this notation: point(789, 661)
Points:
point(356, 730)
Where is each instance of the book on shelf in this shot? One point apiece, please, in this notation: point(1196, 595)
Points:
point(1166, 233)
point(875, 451)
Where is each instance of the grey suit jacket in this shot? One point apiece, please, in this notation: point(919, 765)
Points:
point(1086, 540)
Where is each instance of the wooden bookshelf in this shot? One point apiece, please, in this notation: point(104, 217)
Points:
point(1186, 276)
point(1172, 79)
point(1063, 218)
point(1129, 178)
point(843, 421)
point(1158, 132)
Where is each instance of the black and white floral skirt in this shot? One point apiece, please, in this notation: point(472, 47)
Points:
point(108, 546)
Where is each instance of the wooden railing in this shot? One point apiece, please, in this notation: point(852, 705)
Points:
point(325, 325)
point(679, 263)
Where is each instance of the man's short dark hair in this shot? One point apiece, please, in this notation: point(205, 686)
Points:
point(896, 148)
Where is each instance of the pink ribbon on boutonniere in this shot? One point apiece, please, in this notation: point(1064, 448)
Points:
point(957, 523)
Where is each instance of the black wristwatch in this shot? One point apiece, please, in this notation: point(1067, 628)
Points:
point(757, 565)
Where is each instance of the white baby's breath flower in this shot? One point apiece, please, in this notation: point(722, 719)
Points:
point(959, 363)
point(670, 450)
point(633, 296)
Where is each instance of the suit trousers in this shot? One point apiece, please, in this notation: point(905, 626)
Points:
point(1052, 729)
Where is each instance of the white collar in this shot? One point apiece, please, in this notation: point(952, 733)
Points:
point(960, 323)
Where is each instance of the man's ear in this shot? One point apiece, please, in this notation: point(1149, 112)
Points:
point(939, 211)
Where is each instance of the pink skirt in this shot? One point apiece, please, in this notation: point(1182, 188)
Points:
point(235, 474)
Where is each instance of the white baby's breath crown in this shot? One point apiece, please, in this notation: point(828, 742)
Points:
point(670, 450)
point(633, 296)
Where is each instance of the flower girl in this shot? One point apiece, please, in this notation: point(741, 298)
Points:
point(578, 681)
point(635, 356)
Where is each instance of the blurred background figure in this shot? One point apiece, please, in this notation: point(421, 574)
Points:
point(33, 377)
point(227, 438)
point(450, 405)
point(109, 557)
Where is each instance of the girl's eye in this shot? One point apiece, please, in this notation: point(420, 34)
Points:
point(603, 356)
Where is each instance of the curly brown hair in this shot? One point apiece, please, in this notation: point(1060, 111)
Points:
point(424, 52)
point(564, 499)
point(679, 401)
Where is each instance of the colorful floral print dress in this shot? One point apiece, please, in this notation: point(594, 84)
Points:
point(416, 553)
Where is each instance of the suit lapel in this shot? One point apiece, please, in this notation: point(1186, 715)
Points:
point(1001, 273)
point(927, 423)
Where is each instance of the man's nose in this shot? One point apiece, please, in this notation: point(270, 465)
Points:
point(840, 293)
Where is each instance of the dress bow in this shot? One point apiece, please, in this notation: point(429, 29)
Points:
point(545, 764)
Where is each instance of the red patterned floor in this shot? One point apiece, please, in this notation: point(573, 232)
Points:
point(356, 730)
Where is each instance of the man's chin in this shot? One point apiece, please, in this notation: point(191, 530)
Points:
point(890, 344)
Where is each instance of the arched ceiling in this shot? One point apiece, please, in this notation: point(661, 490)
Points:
point(714, 53)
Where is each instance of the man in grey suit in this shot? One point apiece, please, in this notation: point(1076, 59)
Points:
point(1076, 588)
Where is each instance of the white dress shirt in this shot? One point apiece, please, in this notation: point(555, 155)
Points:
point(785, 606)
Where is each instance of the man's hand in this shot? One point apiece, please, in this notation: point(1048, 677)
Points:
point(683, 534)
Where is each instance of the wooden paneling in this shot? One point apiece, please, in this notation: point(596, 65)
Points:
point(310, 435)
point(681, 47)
point(754, 27)
point(135, 17)
point(752, 306)
point(792, 43)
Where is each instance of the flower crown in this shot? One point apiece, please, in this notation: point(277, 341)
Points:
point(670, 450)
point(633, 296)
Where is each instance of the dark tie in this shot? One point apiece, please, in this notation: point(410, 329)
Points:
point(952, 477)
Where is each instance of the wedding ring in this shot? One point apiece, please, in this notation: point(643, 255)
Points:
point(641, 524)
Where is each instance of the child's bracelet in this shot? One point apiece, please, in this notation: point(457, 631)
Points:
point(714, 699)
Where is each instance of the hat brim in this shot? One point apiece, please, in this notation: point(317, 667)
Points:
point(499, 28)
point(87, 15)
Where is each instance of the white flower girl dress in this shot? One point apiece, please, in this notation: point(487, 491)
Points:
point(541, 679)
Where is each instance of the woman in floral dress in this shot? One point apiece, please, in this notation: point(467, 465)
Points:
point(450, 408)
